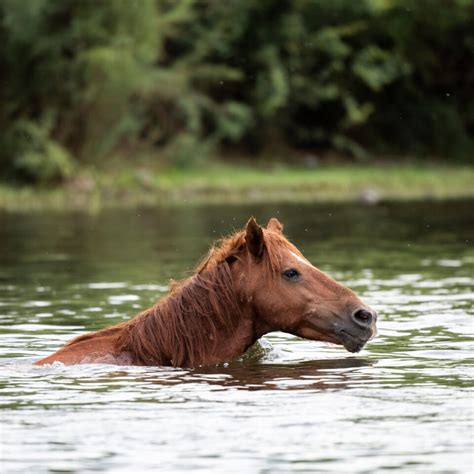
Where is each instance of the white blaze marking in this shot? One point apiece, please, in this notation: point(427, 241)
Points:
point(301, 259)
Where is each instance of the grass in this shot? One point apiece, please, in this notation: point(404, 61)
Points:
point(124, 186)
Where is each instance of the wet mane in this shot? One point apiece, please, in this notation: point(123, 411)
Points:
point(182, 327)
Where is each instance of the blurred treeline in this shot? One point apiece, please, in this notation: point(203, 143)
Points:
point(82, 80)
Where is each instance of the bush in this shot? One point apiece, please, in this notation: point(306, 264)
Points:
point(32, 156)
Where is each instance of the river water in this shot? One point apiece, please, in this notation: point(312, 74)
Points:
point(405, 402)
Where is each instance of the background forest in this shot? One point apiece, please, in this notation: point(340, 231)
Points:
point(85, 80)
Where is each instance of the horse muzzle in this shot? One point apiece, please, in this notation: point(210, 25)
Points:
point(360, 329)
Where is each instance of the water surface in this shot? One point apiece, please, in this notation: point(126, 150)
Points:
point(405, 402)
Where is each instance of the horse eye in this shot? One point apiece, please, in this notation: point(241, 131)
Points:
point(291, 274)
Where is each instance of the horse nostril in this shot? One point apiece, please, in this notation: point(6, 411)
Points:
point(362, 317)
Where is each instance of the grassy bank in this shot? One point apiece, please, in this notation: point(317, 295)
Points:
point(221, 183)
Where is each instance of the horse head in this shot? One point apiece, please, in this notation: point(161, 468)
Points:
point(287, 293)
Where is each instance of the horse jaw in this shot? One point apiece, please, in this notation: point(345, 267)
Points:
point(339, 336)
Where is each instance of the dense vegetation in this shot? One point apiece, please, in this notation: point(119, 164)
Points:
point(85, 79)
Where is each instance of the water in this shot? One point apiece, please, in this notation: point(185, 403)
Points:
point(405, 402)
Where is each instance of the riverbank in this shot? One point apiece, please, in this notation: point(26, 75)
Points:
point(224, 183)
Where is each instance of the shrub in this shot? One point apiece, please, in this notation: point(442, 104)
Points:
point(32, 156)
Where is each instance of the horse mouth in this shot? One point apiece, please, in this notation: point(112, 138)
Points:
point(351, 342)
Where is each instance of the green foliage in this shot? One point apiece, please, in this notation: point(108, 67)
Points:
point(77, 63)
point(359, 76)
point(185, 151)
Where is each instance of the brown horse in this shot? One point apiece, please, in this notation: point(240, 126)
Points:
point(252, 283)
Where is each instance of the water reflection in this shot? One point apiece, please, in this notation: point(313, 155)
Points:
point(305, 375)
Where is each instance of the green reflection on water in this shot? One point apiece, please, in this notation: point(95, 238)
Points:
point(404, 402)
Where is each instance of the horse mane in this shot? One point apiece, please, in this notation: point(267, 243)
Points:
point(182, 328)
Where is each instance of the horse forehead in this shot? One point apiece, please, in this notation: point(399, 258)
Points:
point(301, 259)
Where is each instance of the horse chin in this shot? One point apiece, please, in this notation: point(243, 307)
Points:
point(352, 343)
point(349, 341)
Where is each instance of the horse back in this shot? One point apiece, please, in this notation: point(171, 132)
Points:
point(92, 350)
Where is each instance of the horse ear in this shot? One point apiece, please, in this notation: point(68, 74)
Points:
point(254, 238)
point(275, 225)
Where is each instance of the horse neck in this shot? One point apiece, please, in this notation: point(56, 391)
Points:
point(202, 321)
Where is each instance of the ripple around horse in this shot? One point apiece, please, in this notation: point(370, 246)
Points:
point(251, 283)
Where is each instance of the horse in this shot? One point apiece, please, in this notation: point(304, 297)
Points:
point(251, 283)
